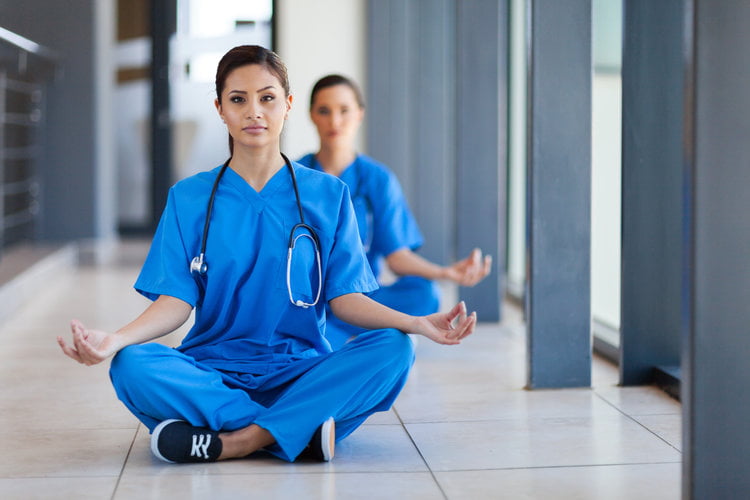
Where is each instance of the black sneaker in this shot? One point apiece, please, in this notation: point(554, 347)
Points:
point(323, 442)
point(176, 441)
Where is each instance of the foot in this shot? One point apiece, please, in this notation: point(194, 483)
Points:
point(176, 441)
point(323, 442)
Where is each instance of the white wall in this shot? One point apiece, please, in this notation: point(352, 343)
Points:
point(516, 277)
point(315, 38)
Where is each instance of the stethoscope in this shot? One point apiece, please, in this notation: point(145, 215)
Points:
point(199, 266)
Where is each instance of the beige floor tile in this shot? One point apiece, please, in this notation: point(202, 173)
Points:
point(50, 488)
point(64, 453)
point(538, 442)
point(312, 486)
point(604, 373)
point(667, 427)
point(645, 400)
point(614, 482)
point(383, 418)
point(371, 448)
point(467, 402)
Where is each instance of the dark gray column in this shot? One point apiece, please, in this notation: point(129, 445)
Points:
point(716, 400)
point(68, 168)
point(652, 136)
point(163, 19)
point(433, 154)
point(559, 194)
point(389, 89)
point(410, 104)
point(481, 144)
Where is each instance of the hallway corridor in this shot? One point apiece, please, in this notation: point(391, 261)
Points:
point(463, 428)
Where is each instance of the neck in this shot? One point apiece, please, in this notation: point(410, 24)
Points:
point(335, 160)
point(256, 167)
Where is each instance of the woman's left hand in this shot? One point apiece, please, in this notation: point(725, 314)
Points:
point(439, 327)
point(471, 270)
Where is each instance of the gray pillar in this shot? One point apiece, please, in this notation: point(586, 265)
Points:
point(481, 144)
point(716, 400)
point(559, 194)
point(652, 114)
point(434, 196)
point(163, 19)
point(410, 101)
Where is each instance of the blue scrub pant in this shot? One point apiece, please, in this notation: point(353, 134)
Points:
point(157, 383)
point(410, 294)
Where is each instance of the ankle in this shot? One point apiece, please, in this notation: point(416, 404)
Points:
point(243, 442)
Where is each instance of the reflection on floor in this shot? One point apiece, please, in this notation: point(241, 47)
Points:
point(463, 428)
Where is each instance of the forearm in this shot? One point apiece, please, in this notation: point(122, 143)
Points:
point(360, 310)
point(163, 316)
point(404, 262)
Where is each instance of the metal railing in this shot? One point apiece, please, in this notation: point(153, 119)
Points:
point(25, 67)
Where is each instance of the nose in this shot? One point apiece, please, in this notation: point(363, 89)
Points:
point(336, 119)
point(253, 111)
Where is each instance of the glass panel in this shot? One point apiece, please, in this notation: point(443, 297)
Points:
point(606, 168)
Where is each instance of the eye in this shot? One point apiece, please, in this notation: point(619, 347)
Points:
point(267, 98)
point(323, 111)
point(236, 99)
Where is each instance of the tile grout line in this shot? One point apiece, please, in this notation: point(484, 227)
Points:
point(432, 473)
point(638, 423)
point(125, 462)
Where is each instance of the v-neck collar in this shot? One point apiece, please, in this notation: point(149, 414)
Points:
point(258, 199)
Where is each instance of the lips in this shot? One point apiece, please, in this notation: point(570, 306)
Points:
point(254, 129)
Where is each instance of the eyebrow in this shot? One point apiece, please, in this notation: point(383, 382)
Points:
point(257, 91)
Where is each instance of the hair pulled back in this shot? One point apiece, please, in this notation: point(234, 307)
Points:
point(333, 80)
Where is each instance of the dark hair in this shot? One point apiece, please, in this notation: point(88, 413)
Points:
point(244, 55)
point(332, 80)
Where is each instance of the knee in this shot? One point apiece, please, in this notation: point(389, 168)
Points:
point(395, 346)
point(132, 361)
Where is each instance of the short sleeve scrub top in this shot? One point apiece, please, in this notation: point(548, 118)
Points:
point(244, 319)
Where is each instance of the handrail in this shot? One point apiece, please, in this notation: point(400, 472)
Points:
point(26, 45)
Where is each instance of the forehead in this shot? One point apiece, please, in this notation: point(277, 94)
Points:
point(250, 78)
point(336, 94)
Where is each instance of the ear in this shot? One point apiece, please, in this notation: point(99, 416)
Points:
point(289, 100)
point(218, 108)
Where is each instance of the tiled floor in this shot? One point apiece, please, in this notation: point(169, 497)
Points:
point(463, 428)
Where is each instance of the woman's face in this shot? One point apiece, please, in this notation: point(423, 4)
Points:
point(337, 116)
point(254, 106)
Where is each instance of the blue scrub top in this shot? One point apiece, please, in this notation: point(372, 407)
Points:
point(244, 320)
point(385, 222)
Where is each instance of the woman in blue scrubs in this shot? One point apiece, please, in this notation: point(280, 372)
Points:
point(387, 227)
point(256, 371)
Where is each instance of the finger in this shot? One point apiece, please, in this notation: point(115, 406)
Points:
point(69, 351)
point(455, 311)
point(455, 332)
point(470, 327)
point(487, 264)
point(88, 354)
point(466, 327)
point(476, 256)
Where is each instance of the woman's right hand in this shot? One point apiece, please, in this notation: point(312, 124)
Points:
point(90, 346)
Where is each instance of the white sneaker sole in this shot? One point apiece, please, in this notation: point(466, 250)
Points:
point(155, 440)
point(328, 439)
